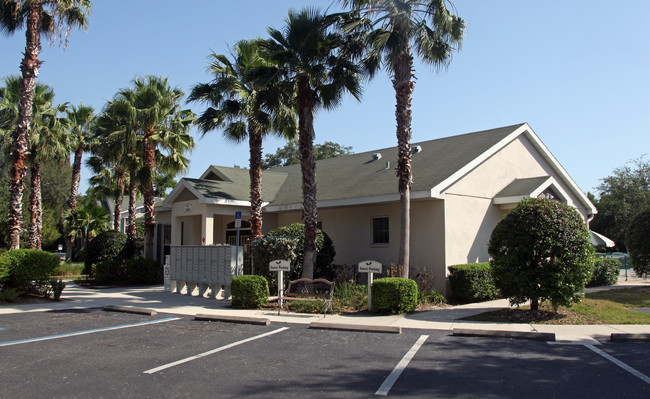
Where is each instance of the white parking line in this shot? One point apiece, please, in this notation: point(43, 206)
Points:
point(222, 348)
point(74, 334)
point(620, 364)
point(397, 371)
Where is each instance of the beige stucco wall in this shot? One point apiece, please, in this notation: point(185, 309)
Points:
point(469, 211)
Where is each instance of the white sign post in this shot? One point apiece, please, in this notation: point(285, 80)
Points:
point(370, 267)
point(280, 266)
point(237, 226)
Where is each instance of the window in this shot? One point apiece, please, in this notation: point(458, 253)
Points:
point(380, 230)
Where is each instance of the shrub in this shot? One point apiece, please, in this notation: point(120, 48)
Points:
point(394, 295)
point(28, 269)
point(324, 247)
point(606, 272)
point(638, 243)
point(106, 246)
point(110, 271)
point(350, 296)
point(432, 297)
point(249, 292)
point(57, 288)
point(541, 251)
point(269, 248)
point(141, 271)
point(472, 282)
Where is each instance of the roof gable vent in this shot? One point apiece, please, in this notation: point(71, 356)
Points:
point(376, 156)
point(416, 148)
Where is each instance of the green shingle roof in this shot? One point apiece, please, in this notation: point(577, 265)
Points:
point(358, 175)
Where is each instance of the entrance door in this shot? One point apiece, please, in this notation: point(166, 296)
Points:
point(244, 241)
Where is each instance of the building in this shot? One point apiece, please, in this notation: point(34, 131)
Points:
point(462, 186)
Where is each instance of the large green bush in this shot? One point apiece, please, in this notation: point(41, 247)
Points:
point(249, 292)
point(269, 248)
point(324, 247)
point(394, 295)
point(28, 269)
point(472, 282)
point(541, 251)
point(126, 272)
point(606, 272)
point(637, 241)
point(106, 246)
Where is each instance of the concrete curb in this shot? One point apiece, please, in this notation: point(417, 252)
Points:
point(233, 319)
point(130, 309)
point(537, 336)
point(624, 337)
point(322, 325)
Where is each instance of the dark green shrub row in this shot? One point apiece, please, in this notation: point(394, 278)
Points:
point(394, 295)
point(107, 246)
point(606, 272)
point(269, 248)
point(133, 271)
point(472, 282)
point(28, 270)
point(249, 292)
point(637, 242)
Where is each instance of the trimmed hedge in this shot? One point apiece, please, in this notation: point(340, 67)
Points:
point(472, 282)
point(126, 272)
point(394, 295)
point(106, 246)
point(26, 269)
point(249, 292)
point(606, 272)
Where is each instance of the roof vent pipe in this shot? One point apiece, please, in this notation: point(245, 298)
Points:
point(387, 165)
point(376, 156)
point(416, 148)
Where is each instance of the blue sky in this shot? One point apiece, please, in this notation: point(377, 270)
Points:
point(577, 71)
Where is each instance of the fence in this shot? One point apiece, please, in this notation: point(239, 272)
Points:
point(204, 267)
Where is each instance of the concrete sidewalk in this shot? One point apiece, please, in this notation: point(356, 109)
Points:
point(447, 319)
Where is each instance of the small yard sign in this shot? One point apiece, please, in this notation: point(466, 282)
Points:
point(279, 265)
point(370, 267)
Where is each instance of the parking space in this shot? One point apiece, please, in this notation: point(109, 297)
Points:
point(178, 357)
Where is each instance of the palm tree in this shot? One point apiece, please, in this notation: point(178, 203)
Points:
point(47, 141)
point(79, 121)
point(158, 118)
point(87, 220)
point(312, 58)
point(395, 28)
point(241, 106)
point(46, 17)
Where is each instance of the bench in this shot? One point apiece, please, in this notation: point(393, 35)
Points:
point(304, 289)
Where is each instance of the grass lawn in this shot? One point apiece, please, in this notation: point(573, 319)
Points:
point(603, 307)
point(71, 270)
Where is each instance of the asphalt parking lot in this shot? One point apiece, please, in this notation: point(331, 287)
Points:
point(92, 353)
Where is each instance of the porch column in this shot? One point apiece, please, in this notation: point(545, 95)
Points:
point(176, 231)
point(207, 229)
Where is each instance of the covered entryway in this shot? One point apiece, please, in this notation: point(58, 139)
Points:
point(244, 241)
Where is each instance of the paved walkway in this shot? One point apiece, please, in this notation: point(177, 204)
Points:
point(76, 297)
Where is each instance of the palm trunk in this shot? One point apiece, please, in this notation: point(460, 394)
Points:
point(133, 190)
point(74, 190)
point(149, 212)
point(255, 172)
point(35, 209)
point(308, 167)
point(403, 86)
point(117, 215)
point(29, 68)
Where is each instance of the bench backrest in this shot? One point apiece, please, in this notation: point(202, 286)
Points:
point(319, 287)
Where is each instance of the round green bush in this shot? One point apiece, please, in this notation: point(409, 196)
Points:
point(606, 272)
point(28, 270)
point(392, 295)
point(249, 292)
point(108, 245)
point(111, 271)
point(324, 247)
point(637, 241)
point(472, 282)
point(269, 248)
point(541, 251)
point(142, 271)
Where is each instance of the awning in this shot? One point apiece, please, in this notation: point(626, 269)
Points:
point(599, 240)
